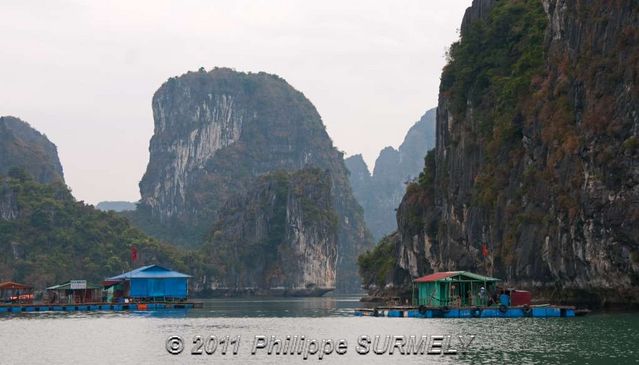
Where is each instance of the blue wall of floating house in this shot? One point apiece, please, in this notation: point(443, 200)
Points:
point(159, 287)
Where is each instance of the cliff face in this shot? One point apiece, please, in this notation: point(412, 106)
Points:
point(282, 233)
point(419, 140)
point(381, 192)
point(537, 154)
point(215, 133)
point(25, 148)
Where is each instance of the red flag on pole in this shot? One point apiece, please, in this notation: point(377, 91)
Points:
point(484, 249)
point(134, 253)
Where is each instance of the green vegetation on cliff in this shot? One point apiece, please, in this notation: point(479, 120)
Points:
point(490, 72)
point(48, 237)
point(377, 265)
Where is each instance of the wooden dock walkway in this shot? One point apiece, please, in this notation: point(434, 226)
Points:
point(535, 311)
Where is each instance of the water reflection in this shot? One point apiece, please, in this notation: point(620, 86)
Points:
point(278, 307)
point(224, 307)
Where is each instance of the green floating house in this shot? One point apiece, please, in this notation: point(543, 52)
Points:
point(453, 289)
point(74, 292)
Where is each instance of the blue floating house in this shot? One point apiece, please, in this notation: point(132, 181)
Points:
point(153, 283)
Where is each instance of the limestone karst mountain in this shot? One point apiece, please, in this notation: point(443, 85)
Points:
point(216, 134)
point(535, 176)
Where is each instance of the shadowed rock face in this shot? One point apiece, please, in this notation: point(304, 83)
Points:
point(546, 174)
point(380, 193)
point(215, 133)
point(25, 148)
point(282, 233)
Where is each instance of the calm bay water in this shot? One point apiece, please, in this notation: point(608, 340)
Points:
point(140, 337)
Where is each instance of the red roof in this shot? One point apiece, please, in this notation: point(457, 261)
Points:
point(436, 276)
point(108, 283)
point(12, 285)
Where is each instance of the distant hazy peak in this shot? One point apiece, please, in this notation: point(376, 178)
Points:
point(116, 206)
point(380, 193)
point(357, 165)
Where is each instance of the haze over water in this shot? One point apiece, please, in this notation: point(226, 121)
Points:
point(140, 337)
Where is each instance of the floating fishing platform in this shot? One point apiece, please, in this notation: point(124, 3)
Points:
point(147, 288)
point(462, 294)
point(95, 307)
point(542, 311)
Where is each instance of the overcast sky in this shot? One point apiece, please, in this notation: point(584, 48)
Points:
point(84, 72)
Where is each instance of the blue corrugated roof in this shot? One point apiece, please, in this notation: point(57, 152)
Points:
point(150, 272)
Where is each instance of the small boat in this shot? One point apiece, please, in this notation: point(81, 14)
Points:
point(581, 312)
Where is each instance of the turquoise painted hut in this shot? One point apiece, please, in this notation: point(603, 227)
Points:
point(453, 289)
point(151, 282)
